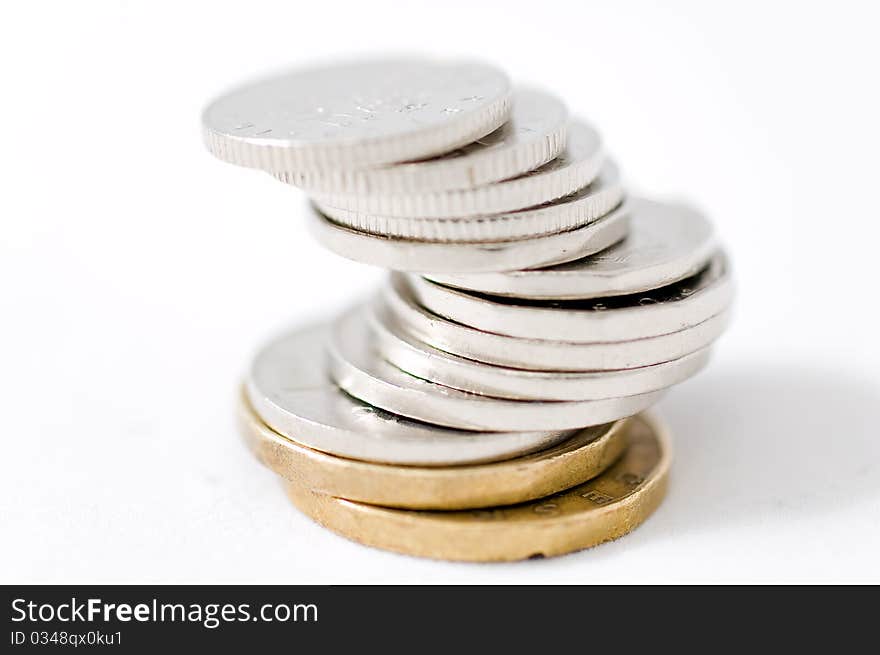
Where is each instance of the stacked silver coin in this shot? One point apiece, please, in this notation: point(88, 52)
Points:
point(529, 296)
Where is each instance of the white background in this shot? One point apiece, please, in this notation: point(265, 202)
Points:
point(138, 274)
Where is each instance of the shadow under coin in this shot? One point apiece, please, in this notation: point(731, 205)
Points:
point(794, 442)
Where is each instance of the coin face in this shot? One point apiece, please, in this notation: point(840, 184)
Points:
point(541, 354)
point(604, 508)
point(534, 135)
point(290, 390)
point(581, 457)
point(665, 244)
point(614, 318)
point(573, 169)
point(357, 366)
point(358, 114)
point(482, 255)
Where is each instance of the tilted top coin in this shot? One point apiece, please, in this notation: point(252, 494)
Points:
point(666, 243)
point(534, 135)
point(573, 169)
point(290, 391)
point(358, 114)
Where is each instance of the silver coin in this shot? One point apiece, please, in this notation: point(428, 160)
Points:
point(472, 256)
point(534, 135)
point(542, 355)
point(357, 115)
point(357, 366)
point(417, 358)
point(592, 202)
point(289, 388)
point(665, 244)
point(573, 169)
point(616, 318)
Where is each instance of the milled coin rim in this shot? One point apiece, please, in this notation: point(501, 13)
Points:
point(581, 457)
point(472, 257)
point(476, 168)
point(601, 197)
point(487, 536)
point(532, 189)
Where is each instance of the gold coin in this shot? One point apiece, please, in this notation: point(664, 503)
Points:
point(581, 457)
point(599, 510)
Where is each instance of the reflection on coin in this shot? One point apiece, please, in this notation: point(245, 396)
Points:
point(357, 367)
point(592, 202)
point(665, 244)
point(602, 509)
point(577, 459)
point(543, 355)
point(417, 358)
point(471, 257)
point(616, 318)
point(356, 115)
point(534, 135)
point(290, 390)
point(573, 169)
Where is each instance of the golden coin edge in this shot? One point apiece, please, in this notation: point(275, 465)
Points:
point(539, 528)
point(505, 482)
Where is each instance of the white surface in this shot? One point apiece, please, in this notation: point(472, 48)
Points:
point(138, 274)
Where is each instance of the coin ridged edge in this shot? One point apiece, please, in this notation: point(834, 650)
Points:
point(561, 216)
point(380, 151)
point(529, 190)
point(438, 175)
point(469, 256)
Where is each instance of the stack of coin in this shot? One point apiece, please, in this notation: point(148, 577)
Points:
point(485, 403)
